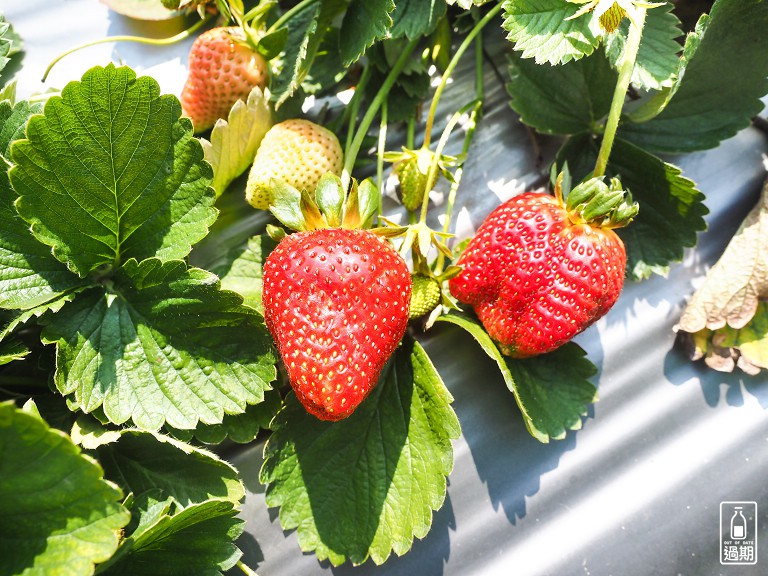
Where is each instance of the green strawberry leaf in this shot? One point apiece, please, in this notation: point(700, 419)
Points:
point(10, 42)
point(365, 22)
point(327, 68)
point(367, 485)
point(551, 390)
point(293, 62)
point(164, 344)
point(52, 408)
point(239, 428)
point(539, 97)
point(141, 461)
point(59, 514)
point(20, 318)
point(555, 388)
point(414, 18)
point(541, 29)
point(657, 60)
point(111, 171)
point(671, 208)
point(89, 433)
point(242, 271)
point(30, 277)
point(12, 350)
point(306, 31)
point(722, 77)
point(8, 92)
point(162, 543)
point(234, 141)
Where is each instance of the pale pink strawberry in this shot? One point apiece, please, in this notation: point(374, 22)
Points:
point(223, 68)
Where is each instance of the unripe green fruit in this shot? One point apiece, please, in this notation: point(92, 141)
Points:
point(413, 183)
point(425, 295)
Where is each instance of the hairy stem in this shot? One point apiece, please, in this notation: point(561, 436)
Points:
point(433, 167)
point(245, 569)
point(450, 68)
point(351, 155)
point(380, 152)
point(470, 132)
point(620, 93)
point(354, 108)
point(139, 39)
point(287, 15)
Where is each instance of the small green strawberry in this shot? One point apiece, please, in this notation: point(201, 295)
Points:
point(411, 167)
point(426, 295)
point(335, 297)
point(541, 270)
point(223, 68)
point(297, 152)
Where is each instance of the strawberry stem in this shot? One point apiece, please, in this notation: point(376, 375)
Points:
point(450, 68)
point(139, 39)
point(470, 128)
point(354, 108)
point(245, 569)
point(433, 167)
point(287, 15)
point(351, 154)
point(380, 152)
point(410, 135)
point(620, 93)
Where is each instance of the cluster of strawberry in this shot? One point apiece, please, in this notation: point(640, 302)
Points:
point(338, 297)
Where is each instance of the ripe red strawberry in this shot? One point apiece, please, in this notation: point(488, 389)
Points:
point(336, 303)
point(223, 68)
point(538, 272)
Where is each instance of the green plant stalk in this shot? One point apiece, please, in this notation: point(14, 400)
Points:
point(286, 16)
point(351, 155)
point(245, 569)
point(139, 39)
point(354, 108)
point(43, 96)
point(450, 68)
point(479, 71)
point(470, 132)
point(410, 136)
point(457, 175)
point(471, 126)
point(433, 167)
point(380, 152)
point(620, 93)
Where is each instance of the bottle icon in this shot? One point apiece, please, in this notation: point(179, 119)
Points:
point(738, 525)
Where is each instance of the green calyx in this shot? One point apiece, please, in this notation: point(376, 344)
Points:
point(269, 42)
point(596, 203)
point(412, 168)
point(328, 207)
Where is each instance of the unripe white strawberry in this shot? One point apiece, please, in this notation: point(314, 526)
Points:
point(299, 153)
